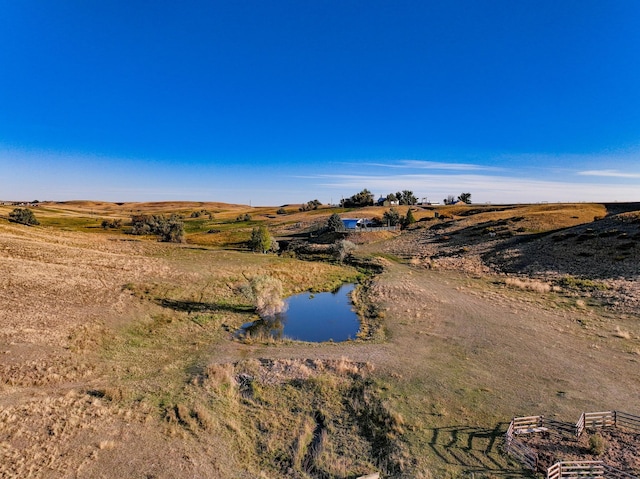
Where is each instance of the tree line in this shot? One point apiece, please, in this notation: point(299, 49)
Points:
point(464, 197)
point(404, 197)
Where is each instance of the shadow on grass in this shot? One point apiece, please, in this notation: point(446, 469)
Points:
point(475, 449)
point(202, 307)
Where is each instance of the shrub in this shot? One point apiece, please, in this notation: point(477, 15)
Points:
point(528, 285)
point(343, 248)
point(334, 223)
point(117, 223)
point(198, 214)
point(310, 205)
point(172, 231)
point(244, 217)
point(570, 282)
point(597, 445)
point(281, 211)
point(168, 229)
point(266, 293)
point(24, 216)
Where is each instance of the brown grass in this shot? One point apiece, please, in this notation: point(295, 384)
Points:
point(116, 355)
point(619, 333)
point(528, 285)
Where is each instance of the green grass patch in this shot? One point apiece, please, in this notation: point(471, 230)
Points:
point(573, 283)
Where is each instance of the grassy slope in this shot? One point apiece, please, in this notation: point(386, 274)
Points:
point(142, 337)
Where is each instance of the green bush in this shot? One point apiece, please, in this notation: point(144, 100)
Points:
point(168, 229)
point(408, 220)
point(23, 216)
point(117, 223)
point(198, 214)
point(262, 241)
point(571, 282)
point(334, 223)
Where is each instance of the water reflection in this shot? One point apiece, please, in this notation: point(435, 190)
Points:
point(314, 317)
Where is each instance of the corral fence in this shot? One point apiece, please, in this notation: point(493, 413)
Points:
point(594, 420)
point(573, 469)
point(368, 229)
point(586, 470)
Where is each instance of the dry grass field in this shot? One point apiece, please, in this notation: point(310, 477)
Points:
point(118, 358)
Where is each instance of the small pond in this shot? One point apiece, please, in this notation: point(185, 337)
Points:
point(314, 317)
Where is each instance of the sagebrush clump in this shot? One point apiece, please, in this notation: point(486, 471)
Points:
point(597, 445)
point(529, 285)
point(266, 293)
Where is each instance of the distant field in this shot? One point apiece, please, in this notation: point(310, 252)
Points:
point(117, 356)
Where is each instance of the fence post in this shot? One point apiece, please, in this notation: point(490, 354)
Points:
point(580, 425)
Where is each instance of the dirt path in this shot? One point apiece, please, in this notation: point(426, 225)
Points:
point(507, 342)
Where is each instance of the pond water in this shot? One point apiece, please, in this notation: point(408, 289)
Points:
point(314, 317)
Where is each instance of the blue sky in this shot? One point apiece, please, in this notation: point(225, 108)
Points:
point(274, 102)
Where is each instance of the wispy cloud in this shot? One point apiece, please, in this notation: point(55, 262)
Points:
point(57, 176)
point(609, 173)
point(484, 188)
point(431, 165)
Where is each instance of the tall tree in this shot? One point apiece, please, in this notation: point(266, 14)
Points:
point(409, 219)
point(408, 198)
point(391, 217)
point(364, 198)
point(465, 197)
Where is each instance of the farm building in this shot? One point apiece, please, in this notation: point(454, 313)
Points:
point(355, 223)
point(350, 223)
